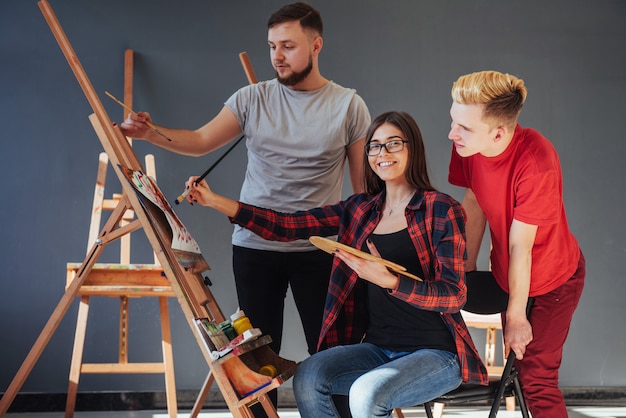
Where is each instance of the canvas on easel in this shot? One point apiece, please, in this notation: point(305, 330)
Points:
point(236, 374)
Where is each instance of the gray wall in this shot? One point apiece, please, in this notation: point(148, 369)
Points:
point(398, 55)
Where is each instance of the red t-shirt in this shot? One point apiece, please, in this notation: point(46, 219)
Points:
point(523, 183)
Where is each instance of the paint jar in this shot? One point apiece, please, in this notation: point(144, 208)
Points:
point(268, 370)
point(240, 322)
point(228, 330)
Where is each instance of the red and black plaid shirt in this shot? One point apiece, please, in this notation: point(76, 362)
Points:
point(436, 225)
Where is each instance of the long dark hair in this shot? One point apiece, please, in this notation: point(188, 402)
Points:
point(417, 172)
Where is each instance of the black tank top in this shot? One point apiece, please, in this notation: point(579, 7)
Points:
point(394, 324)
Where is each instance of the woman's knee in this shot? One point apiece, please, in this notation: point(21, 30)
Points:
point(366, 400)
point(312, 373)
point(302, 379)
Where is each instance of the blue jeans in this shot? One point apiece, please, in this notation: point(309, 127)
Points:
point(376, 380)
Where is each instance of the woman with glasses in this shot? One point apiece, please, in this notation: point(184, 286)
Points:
point(387, 340)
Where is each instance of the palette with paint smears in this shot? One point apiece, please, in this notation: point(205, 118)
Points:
point(330, 246)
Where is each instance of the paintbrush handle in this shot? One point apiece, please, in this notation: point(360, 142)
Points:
point(150, 124)
point(124, 106)
point(182, 197)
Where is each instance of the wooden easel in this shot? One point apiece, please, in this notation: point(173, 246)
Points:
point(123, 280)
point(233, 372)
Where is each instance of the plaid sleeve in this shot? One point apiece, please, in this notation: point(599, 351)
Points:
point(277, 226)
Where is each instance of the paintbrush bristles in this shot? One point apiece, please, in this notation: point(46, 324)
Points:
point(182, 196)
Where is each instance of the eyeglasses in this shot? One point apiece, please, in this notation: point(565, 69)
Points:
point(391, 146)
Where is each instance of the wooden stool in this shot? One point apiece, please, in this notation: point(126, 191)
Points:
point(491, 324)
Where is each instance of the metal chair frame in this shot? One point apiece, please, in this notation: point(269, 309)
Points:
point(485, 297)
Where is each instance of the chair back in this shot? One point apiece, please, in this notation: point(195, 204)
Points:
point(484, 294)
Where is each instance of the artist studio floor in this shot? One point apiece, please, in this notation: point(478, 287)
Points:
point(450, 412)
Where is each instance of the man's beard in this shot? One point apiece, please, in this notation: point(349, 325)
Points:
point(295, 77)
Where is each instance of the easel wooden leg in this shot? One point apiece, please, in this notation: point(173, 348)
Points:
point(40, 344)
point(268, 406)
point(510, 403)
point(168, 359)
point(77, 356)
point(244, 412)
point(490, 346)
point(204, 392)
point(437, 410)
point(123, 337)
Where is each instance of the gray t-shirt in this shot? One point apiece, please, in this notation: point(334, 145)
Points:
point(297, 147)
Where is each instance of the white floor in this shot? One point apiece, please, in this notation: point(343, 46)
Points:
point(450, 412)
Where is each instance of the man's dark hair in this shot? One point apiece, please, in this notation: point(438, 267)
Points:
point(308, 17)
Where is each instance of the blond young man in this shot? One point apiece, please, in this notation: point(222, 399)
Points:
point(514, 183)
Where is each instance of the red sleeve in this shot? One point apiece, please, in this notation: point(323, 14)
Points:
point(456, 172)
point(538, 199)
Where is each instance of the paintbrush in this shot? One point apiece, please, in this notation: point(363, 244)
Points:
point(151, 125)
point(206, 173)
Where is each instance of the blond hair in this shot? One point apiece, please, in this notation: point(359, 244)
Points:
point(502, 95)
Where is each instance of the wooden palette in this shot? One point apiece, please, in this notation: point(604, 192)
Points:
point(330, 246)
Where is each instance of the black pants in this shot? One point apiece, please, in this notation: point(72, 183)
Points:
point(262, 279)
